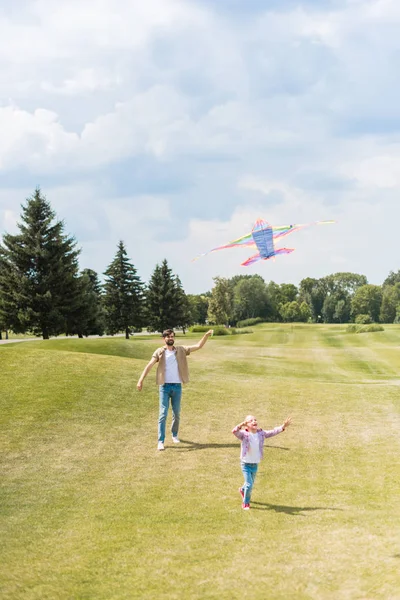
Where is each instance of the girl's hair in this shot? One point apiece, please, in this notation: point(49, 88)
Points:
point(248, 418)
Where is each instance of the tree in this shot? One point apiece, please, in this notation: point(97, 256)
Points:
point(251, 298)
point(313, 291)
point(220, 308)
point(183, 315)
point(123, 295)
point(289, 292)
point(198, 306)
point(274, 300)
point(345, 283)
point(88, 318)
point(163, 299)
point(38, 272)
point(390, 303)
point(392, 278)
point(305, 312)
point(290, 311)
point(367, 301)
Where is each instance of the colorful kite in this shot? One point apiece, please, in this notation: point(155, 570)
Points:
point(263, 236)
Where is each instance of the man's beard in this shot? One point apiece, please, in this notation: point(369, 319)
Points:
point(170, 342)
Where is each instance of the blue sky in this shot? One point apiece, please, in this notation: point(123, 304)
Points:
point(173, 125)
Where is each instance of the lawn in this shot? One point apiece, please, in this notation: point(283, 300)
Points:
point(90, 509)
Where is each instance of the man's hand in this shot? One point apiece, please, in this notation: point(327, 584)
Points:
point(139, 385)
point(209, 332)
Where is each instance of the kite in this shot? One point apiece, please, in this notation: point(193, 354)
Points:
point(263, 236)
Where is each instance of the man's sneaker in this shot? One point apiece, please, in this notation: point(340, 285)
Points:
point(246, 506)
point(241, 492)
point(175, 439)
point(160, 446)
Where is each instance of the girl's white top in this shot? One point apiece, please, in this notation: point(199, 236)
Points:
point(171, 367)
point(253, 455)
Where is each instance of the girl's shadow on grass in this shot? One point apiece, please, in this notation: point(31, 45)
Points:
point(189, 446)
point(289, 510)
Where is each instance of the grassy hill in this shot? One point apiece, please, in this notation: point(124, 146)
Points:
point(90, 509)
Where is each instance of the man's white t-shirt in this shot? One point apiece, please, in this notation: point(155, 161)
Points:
point(253, 455)
point(171, 367)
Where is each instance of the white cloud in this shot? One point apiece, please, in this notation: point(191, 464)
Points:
point(291, 115)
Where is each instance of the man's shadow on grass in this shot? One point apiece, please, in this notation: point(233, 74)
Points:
point(190, 446)
point(289, 510)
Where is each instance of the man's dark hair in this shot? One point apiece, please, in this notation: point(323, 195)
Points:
point(167, 332)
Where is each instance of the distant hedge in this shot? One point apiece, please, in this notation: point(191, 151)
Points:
point(218, 330)
point(249, 322)
point(364, 328)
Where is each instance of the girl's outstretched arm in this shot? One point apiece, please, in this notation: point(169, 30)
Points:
point(276, 430)
point(237, 431)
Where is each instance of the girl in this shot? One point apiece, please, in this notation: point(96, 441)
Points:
point(251, 451)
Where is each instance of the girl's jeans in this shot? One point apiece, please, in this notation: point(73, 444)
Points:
point(169, 391)
point(249, 471)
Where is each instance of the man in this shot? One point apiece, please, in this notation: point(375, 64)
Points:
point(172, 371)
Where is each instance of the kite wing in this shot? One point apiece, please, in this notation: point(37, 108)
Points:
point(260, 237)
point(245, 240)
point(256, 257)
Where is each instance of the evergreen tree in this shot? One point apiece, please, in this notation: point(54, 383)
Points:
point(183, 315)
point(38, 272)
point(123, 295)
point(88, 316)
point(164, 300)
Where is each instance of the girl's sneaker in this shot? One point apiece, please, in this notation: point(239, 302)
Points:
point(246, 506)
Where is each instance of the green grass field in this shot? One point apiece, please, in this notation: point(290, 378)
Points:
point(90, 509)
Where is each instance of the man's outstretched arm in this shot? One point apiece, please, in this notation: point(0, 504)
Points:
point(202, 341)
point(146, 371)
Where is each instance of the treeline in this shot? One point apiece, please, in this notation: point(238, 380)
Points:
point(338, 298)
point(42, 291)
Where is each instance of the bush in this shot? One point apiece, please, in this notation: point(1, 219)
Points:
point(352, 328)
point(199, 328)
point(371, 328)
point(249, 322)
point(363, 320)
point(218, 329)
point(364, 328)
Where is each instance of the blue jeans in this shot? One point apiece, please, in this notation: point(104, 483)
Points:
point(173, 392)
point(249, 471)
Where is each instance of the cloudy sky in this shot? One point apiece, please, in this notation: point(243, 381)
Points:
point(174, 124)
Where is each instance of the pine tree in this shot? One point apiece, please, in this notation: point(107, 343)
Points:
point(163, 299)
point(88, 317)
point(123, 295)
point(183, 314)
point(38, 272)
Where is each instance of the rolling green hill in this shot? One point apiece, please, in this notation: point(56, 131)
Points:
point(90, 509)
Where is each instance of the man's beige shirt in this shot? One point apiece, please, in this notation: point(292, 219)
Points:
point(181, 353)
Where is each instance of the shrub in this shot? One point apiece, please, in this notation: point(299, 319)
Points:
point(218, 329)
point(352, 328)
point(371, 328)
point(364, 328)
point(249, 322)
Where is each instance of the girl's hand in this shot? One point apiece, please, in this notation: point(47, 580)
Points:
point(287, 422)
